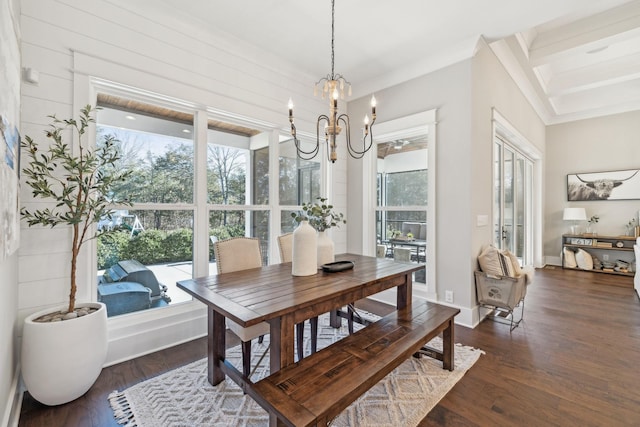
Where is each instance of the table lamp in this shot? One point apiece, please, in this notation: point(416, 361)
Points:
point(574, 215)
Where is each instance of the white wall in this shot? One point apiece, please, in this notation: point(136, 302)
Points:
point(464, 95)
point(592, 145)
point(9, 352)
point(447, 90)
point(10, 107)
point(493, 88)
point(71, 41)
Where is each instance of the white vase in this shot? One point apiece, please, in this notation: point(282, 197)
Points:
point(305, 251)
point(325, 249)
point(62, 360)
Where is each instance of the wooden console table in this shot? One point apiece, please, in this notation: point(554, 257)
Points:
point(601, 246)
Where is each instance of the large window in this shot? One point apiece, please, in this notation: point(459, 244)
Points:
point(155, 240)
point(237, 179)
point(195, 180)
point(151, 244)
point(299, 182)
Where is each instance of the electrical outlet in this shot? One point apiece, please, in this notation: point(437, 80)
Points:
point(605, 257)
point(448, 296)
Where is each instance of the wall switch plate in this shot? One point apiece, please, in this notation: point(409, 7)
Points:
point(448, 296)
point(605, 257)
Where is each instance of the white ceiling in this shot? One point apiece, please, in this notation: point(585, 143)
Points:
point(544, 44)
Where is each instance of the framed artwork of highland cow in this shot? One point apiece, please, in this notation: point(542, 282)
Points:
point(611, 185)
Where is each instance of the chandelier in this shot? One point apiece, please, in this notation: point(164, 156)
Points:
point(333, 86)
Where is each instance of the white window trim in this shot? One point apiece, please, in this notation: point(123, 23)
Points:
point(135, 334)
point(412, 125)
point(529, 150)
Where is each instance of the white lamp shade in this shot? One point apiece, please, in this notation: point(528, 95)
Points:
point(574, 214)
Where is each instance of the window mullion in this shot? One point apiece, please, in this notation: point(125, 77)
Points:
point(201, 216)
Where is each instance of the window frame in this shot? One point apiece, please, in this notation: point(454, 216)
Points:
point(200, 207)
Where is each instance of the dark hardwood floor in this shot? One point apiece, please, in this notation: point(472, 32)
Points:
point(574, 360)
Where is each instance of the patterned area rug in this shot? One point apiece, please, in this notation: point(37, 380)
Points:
point(183, 397)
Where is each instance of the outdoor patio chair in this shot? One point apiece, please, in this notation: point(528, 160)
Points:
point(227, 261)
point(402, 254)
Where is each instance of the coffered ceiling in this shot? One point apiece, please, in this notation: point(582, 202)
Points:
point(578, 68)
point(573, 58)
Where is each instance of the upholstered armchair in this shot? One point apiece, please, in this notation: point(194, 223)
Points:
point(236, 254)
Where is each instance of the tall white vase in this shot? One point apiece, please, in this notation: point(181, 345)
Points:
point(305, 251)
point(325, 249)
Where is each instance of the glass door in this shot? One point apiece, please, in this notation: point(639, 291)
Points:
point(513, 177)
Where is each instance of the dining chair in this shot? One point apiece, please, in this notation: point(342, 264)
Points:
point(236, 254)
point(285, 244)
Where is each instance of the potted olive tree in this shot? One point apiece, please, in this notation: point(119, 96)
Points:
point(63, 349)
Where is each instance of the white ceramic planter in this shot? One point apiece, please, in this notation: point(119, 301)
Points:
point(305, 251)
point(325, 249)
point(62, 360)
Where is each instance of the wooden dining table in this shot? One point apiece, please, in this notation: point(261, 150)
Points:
point(272, 294)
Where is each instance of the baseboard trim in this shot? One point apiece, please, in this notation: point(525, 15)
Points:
point(11, 417)
point(153, 331)
point(553, 260)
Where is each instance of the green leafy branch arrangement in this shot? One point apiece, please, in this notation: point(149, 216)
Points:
point(320, 215)
point(77, 184)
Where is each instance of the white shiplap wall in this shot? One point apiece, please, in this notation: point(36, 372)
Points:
point(68, 41)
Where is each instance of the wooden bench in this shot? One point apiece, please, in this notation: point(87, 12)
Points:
point(316, 389)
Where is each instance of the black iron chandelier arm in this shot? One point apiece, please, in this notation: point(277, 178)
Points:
point(303, 154)
point(321, 118)
point(353, 152)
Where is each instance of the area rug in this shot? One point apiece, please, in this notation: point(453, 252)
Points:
point(183, 397)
